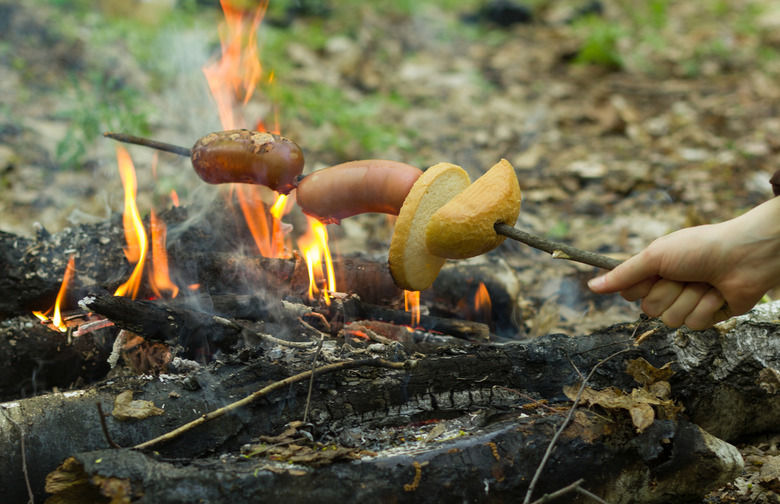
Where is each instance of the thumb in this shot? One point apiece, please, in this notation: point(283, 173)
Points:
point(627, 275)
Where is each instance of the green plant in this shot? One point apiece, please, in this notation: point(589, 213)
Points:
point(600, 41)
point(101, 104)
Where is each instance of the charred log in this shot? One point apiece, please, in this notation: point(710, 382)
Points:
point(34, 358)
point(712, 372)
point(492, 463)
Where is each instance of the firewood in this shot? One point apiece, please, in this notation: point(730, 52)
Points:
point(728, 400)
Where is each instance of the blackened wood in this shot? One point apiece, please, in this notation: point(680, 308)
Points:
point(355, 309)
point(490, 464)
point(31, 269)
point(717, 378)
point(199, 325)
point(35, 358)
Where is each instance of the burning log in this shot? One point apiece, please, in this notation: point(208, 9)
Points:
point(33, 268)
point(373, 408)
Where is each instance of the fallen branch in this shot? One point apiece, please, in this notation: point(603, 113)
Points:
point(330, 368)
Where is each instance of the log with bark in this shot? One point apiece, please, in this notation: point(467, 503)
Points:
point(474, 394)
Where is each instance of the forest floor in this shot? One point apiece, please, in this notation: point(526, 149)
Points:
point(623, 123)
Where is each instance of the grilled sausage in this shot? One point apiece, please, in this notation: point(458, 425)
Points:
point(347, 189)
point(251, 157)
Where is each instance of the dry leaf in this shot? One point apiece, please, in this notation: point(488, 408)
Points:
point(769, 475)
point(642, 404)
point(646, 374)
point(125, 408)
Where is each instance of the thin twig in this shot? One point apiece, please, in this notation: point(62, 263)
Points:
point(22, 446)
point(338, 366)
point(104, 426)
point(146, 142)
point(311, 380)
point(562, 491)
point(566, 421)
point(556, 249)
point(528, 398)
point(593, 496)
point(277, 341)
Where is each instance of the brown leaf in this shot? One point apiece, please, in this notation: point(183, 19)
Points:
point(642, 415)
point(589, 427)
point(646, 374)
point(769, 476)
point(642, 404)
point(125, 408)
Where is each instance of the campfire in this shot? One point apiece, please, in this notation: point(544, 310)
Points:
point(225, 346)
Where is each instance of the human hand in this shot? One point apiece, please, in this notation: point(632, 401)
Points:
point(687, 276)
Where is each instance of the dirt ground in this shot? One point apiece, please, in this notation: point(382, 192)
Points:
point(623, 123)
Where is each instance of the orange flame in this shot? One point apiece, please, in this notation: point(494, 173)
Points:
point(233, 78)
point(249, 199)
point(412, 305)
point(314, 248)
point(277, 234)
point(266, 228)
point(174, 198)
point(482, 305)
point(160, 279)
point(56, 319)
point(135, 235)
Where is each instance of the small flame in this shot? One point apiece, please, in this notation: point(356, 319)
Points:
point(267, 229)
point(315, 251)
point(135, 235)
point(412, 305)
point(56, 319)
point(174, 198)
point(482, 305)
point(278, 209)
point(160, 280)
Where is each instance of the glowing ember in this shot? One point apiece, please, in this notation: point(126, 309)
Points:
point(56, 319)
point(412, 305)
point(135, 235)
point(314, 248)
point(482, 305)
point(160, 279)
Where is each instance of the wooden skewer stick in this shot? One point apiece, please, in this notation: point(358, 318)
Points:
point(154, 144)
point(563, 251)
point(558, 250)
